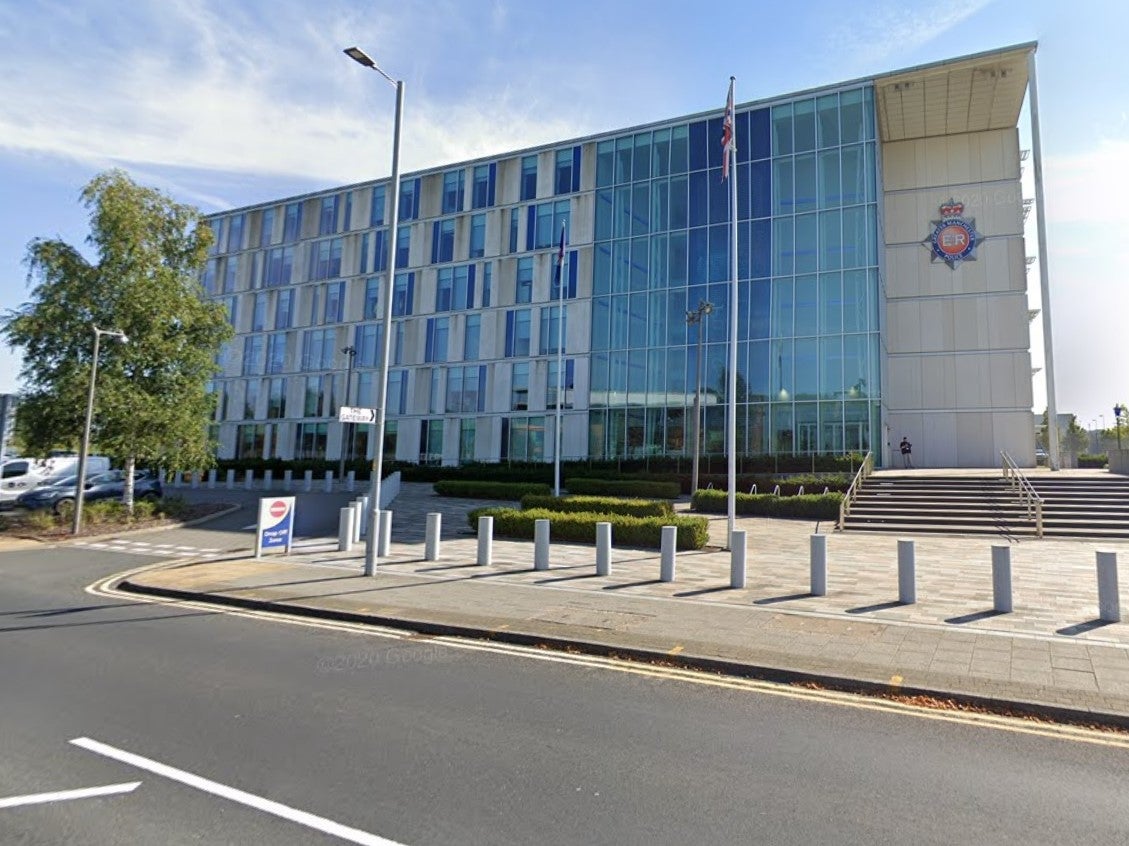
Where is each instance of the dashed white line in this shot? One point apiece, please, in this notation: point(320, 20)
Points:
point(335, 829)
point(67, 795)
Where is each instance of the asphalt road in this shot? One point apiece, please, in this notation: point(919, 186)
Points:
point(419, 743)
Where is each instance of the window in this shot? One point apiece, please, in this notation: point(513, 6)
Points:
point(319, 347)
point(477, 236)
point(409, 199)
point(552, 330)
point(266, 228)
point(443, 240)
point(430, 441)
point(250, 441)
point(276, 352)
point(372, 299)
point(438, 329)
point(568, 384)
point(567, 177)
point(455, 289)
point(235, 233)
point(250, 399)
point(435, 395)
point(514, 217)
point(482, 193)
point(252, 355)
point(529, 177)
point(471, 337)
point(334, 302)
point(517, 332)
point(376, 211)
point(276, 399)
point(570, 288)
point(523, 439)
point(397, 391)
point(466, 389)
point(327, 219)
point(284, 309)
point(544, 224)
point(487, 283)
point(403, 288)
point(362, 263)
point(452, 192)
point(325, 259)
point(259, 313)
point(230, 272)
point(466, 439)
point(403, 246)
point(279, 266)
point(523, 285)
point(310, 440)
point(292, 223)
point(209, 279)
point(519, 386)
point(366, 341)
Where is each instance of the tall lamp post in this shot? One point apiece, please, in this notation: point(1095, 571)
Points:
point(697, 318)
point(1118, 410)
point(372, 543)
point(347, 432)
point(84, 447)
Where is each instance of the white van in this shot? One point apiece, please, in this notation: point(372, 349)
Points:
point(19, 475)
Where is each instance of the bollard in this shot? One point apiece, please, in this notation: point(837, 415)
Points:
point(431, 541)
point(384, 539)
point(358, 519)
point(363, 500)
point(195, 476)
point(249, 480)
point(287, 479)
point(737, 553)
point(818, 565)
point(669, 542)
point(351, 481)
point(1109, 603)
point(485, 541)
point(345, 529)
point(229, 480)
point(1001, 578)
point(308, 481)
point(540, 544)
point(329, 481)
point(161, 476)
point(177, 479)
point(211, 479)
point(603, 549)
point(907, 577)
point(268, 480)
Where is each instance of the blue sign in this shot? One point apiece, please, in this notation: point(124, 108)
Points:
point(276, 523)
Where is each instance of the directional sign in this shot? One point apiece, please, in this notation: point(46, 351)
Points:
point(348, 414)
point(276, 524)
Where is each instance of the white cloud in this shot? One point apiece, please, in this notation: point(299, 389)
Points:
point(1090, 186)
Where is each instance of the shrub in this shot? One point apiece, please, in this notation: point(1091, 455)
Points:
point(817, 506)
point(490, 490)
point(623, 487)
point(598, 505)
point(1091, 460)
point(580, 527)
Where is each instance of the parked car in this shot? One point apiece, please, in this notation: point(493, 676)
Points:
point(18, 476)
point(60, 495)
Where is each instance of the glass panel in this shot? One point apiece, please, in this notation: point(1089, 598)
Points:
point(641, 166)
point(804, 125)
point(851, 116)
point(782, 129)
point(679, 149)
point(806, 310)
point(828, 109)
point(660, 153)
point(830, 303)
point(806, 190)
point(830, 194)
point(830, 241)
point(807, 255)
point(783, 200)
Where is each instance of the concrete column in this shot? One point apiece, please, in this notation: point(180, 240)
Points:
point(345, 529)
point(669, 545)
point(485, 541)
point(268, 480)
point(431, 540)
point(308, 481)
point(351, 481)
point(540, 544)
point(384, 539)
point(249, 480)
point(1109, 601)
point(1001, 578)
point(287, 479)
point(212, 479)
point(818, 555)
point(907, 572)
point(329, 481)
point(358, 519)
point(603, 549)
point(737, 552)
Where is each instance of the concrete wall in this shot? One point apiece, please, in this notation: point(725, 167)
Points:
point(958, 361)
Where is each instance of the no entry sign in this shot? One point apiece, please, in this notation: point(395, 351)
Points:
point(276, 524)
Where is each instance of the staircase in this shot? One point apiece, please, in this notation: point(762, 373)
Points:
point(1091, 506)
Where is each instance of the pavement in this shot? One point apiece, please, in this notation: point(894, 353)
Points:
point(1051, 656)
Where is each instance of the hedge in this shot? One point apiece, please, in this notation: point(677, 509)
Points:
point(623, 487)
point(1093, 461)
point(818, 506)
point(580, 527)
point(490, 490)
point(598, 505)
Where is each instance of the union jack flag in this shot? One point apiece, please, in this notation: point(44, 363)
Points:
point(727, 133)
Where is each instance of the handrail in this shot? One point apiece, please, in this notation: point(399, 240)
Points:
point(864, 471)
point(1026, 492)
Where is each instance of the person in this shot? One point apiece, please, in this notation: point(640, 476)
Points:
point(907, 448)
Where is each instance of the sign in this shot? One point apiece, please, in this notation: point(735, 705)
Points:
point(954, 238)
point(276, 524)
point(348, 414)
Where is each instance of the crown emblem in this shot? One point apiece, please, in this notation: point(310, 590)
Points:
point(952, 209)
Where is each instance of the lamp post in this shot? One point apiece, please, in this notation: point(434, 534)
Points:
point(84, 447)
point(1118, 410)
point(347, 431)
point(697, 318)
point(371, 545)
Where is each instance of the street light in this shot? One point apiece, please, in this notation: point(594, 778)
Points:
point(347, 432)
point(358, 55)
point(84, 447)
point(696, 318)
point(1118, 410)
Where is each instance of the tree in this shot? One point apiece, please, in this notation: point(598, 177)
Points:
point(152, 401)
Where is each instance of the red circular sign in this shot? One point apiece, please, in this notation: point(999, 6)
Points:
point(953, 240)
point(277, 508)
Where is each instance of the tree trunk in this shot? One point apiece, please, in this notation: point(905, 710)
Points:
point(127, 497)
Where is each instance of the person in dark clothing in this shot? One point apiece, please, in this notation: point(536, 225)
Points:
point(906, 448)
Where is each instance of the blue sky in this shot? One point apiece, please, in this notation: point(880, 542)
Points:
point(223, 103)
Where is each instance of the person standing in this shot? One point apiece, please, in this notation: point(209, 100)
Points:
point(907, 449)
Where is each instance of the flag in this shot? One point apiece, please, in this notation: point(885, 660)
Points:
point(560, 264)
point(727, 133)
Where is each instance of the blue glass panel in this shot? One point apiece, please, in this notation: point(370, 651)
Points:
point(744, 250)
point(741, 133)
point(602, 269)
point(803, 125)
point(679, 202)
point(830, 194)
point(713, 142)
point(781, 308)
point(621, 266)
point(744, 192)
point(783, 199)
point(640, 252)
point(827, 109)
point(760, 135)
point(605, 163)
point(676, 317)
point(830, 241)
point(623, 147)
point(679, 149)
point(806, 311)
point(719, 253)
point(761, 249)
point(699, 198)
point(640, 208)
point(601, 317)
point(760, 305)
point(530, 226)
point(493, 182)
point(699, 156)
point(851, 119)
point(760, 180)
point(807, 243)
point(660, 153)
point(677, 264)
point(660, 205)
point(719, 199)
point(805, 183)
point(699, 255)
point(641, 161)
point(830, 303)
point(576, 152)
point(782, 130)
point(783, 246)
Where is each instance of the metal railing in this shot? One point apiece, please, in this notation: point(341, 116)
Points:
point(856, 485)
point(1022, 487)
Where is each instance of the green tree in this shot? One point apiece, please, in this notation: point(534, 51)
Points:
point(152, 402)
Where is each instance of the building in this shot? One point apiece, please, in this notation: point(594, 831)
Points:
point(882, 288)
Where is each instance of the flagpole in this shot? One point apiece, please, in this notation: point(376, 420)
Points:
point(731, 417)
point(560, 364)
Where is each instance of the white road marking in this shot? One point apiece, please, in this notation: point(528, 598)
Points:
point(67, 795)
point(353, 835)
point(248, 528)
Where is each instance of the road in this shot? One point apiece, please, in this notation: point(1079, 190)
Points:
point(199, 720)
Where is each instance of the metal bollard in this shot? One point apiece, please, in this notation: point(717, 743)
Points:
point(345, 529)
point(485, 541)
point(287, 479)
point(669, 543)
point(1001, 578)
point(211, 479)
point(603, 549)
point(818, 555)
point(363, 500)
point(540, 544)
point(249, 479)
point(195, 483)
point(308, 481)
point(329, 481)
point(431, 541)
point(229, 480)
point(737, 553)
point(907, 577)
point(358, 519)
point(384, 539)
point(1109, 602)
point(351, 481)
point(268, 480)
